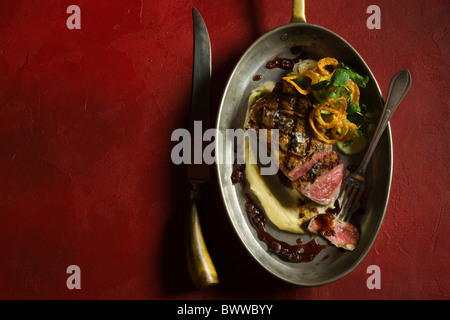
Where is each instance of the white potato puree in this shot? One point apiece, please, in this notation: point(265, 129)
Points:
point(282, 204)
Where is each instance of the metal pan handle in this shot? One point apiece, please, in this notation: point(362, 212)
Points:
point(298, 11)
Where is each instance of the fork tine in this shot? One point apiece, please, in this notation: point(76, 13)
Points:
point(346, 188)
point(356, 203)
point(348, 202)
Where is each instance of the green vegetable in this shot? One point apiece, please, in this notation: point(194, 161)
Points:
point(302, 82)
point(336, 93)
point(320, 85)
point(340, 78)
point(353, 108)
point(359, 132)
point(355, 146)
point(355, 77)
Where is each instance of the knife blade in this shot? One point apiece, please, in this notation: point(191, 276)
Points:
point(200, 265)
point(201, 79)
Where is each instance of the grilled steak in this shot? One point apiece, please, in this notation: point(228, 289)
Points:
point(316, 171)
point(339, 233)
point(323, 181)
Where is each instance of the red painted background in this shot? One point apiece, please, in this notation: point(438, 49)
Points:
point(85, 171)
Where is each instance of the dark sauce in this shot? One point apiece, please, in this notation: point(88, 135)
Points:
point(282, 63)
point(238, 174)
point(300, 252)
point(286, 63)
point(323, 259)
point(325, 224)
point(336, 210)
point(257, 77)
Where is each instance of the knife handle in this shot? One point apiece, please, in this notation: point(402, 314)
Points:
point(200, 265)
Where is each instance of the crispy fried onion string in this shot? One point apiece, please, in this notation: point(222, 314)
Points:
point(308, 74)
point(354, 91)
point(327, 62)
point(337, 126)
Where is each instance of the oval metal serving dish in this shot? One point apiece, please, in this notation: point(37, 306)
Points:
point(320, 42)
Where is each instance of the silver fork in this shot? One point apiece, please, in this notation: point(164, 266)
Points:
point(354, 184)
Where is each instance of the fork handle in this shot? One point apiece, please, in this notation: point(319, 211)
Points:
point(398, 87)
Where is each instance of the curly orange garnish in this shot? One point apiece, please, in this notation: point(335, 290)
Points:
point(308, 74)
point(327, 62)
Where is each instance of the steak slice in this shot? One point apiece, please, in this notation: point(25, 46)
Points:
point(341, 234)
point(323, 181)
point(295, 166)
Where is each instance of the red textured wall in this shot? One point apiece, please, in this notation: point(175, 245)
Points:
point(85, 171)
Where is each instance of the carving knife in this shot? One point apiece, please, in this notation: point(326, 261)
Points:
point(200, 265)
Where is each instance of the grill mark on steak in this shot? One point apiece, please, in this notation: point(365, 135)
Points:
point(291, 99)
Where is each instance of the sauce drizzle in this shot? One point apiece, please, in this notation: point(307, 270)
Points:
point(301, 252)
point(286, 63)
point(336, 210)
point(238, 175)
point(282, 63)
